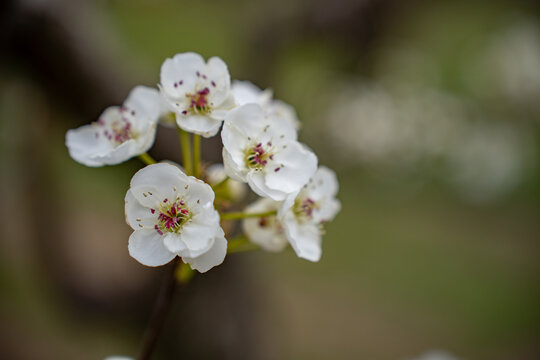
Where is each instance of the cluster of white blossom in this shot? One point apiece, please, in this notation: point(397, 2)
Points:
point(172, 212)
point(402, 130)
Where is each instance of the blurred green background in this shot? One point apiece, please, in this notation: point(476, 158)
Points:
point(429, 111)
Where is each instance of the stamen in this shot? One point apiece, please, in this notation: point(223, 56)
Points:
point(172, 216)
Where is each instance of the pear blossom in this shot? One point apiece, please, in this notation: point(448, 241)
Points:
point(303, 213)
point(246, 92)
point(262, 150)
point(266, 231)
point(198, 92)
point(120, 133)
point(173, 215)
point(234, 190)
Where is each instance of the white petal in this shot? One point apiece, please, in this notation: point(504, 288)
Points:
point(291, 168)
point(146, 102)
point(246, 92)
point(323, 184)
point(198, 237)
point(146, 137)
point(174, 243)
point(180, 70)
point(83, 144)
point(219, 112)
point(234, 170)
point(235, 140)
point(147, 247)
point(216, 70)
point(256, 181)
point(212, 257)
point(148, 196)
point(285, 111)
point(215, 173)
point(288, 202)
point(162, 176)
point(137, 215)
point(119, 154)
point(304, 238)
point(248, 118)
point(199, 194)
point(281, 127)
point(198, 124)
point(269, 233)
point(326, 210)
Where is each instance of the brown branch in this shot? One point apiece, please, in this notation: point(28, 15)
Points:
point(159, 313)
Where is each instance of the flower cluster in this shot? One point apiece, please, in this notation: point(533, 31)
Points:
point(179, 211)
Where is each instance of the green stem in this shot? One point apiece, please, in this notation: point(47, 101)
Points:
point(240, 244)
point(196, 155)
point(185, 143)
point(221, 183)
point(243, 215)
point(147, 159)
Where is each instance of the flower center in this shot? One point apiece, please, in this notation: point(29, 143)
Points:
point(270, 222)
point(257, 156)
point(303, 209)
point(199, 102)
point(118, 130)
point(172, 216)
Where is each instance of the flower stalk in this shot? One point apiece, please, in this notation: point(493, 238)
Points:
point(242, 215)
point(196, 155)
point(147, 159)
point(185, 143)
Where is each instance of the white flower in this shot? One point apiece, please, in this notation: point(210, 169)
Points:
point(235, 190)
point(173, 214)
point(267, 231)
point(199, 92)
point(247, 93)
point(120, 133)
point(303, 213)
point(262, 150)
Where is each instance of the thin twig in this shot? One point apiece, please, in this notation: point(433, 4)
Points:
point(159, 313)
